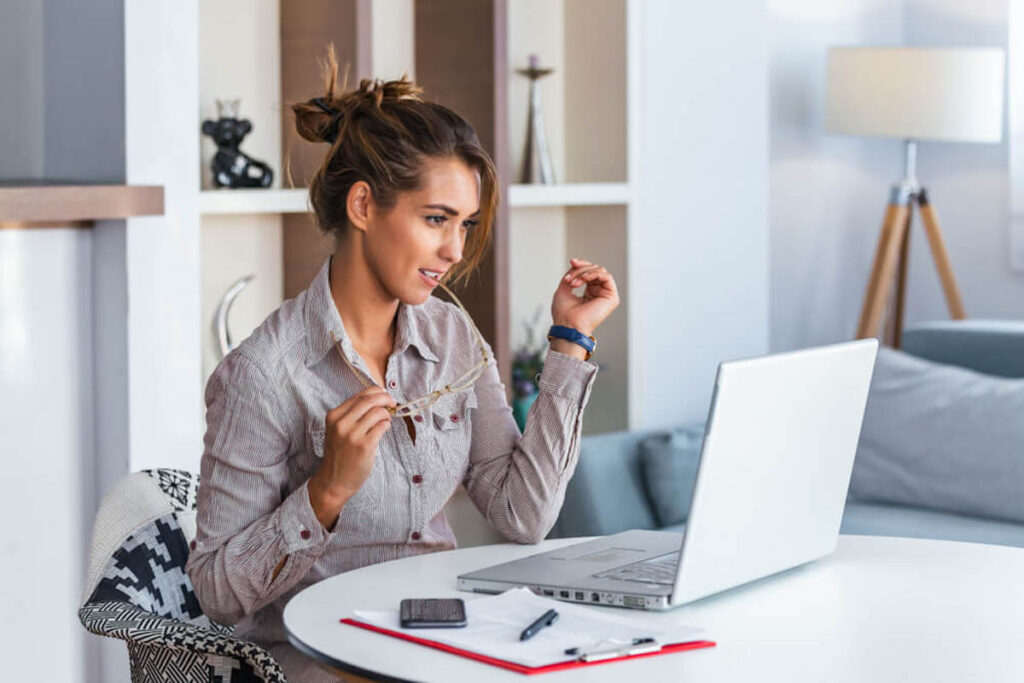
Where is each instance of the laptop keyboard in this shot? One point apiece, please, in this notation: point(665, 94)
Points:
point(661, 569)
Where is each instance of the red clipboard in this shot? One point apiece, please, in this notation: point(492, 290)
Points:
point(519, 668)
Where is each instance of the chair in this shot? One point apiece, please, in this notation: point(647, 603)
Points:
point(137, 590)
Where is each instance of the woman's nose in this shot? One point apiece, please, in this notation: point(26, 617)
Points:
point(451, 249)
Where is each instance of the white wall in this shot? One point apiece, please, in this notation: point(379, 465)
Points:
point(46, 498)
point(162, 252)
point(829, 193)
point(967, 184)
point(702, 284)
point(1015, 127)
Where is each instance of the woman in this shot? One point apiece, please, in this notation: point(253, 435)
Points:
point(308, 469)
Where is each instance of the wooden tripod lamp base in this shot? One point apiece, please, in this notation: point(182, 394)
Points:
point(891, 260)
point(947, 94)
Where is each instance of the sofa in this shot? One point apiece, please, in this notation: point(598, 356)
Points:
point(614, 489)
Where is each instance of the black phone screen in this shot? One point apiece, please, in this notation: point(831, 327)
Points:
point(432, 613)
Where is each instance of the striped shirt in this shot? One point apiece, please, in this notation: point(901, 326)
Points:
point(266, 404)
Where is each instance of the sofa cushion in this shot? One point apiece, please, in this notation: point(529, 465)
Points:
point(606, 493)
point(669, 466)
point(994, 347)
point(877, 519)
point(941, 437)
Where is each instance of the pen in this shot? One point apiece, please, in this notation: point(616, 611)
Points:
point(546, 619)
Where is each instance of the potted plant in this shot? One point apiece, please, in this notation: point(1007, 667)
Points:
point(527, 363)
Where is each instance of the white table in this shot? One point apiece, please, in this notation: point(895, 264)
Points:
point(879, 609)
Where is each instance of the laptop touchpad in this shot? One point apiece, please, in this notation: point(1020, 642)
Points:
point(608, 555)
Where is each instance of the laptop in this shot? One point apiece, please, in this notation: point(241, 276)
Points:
point(771, 485)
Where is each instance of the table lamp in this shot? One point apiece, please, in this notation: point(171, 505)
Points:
point(929, 94)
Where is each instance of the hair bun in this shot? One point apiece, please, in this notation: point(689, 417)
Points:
point(319, 119)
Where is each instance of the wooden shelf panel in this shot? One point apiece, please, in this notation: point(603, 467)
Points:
point(570, 194)
point(44, 202)
point(221, 202)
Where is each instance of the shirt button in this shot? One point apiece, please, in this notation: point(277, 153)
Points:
point(418, 418)
point(305, 533)
point(455, 418)
point(392, 384)
point(415, 535)
point(192, 545)
point(416, 479)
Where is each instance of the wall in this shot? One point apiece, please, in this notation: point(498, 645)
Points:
point(84, 116)
point(61, 118)
point(21, 135)
point(968, 184)
point(828, 193)
point(702, 279)
point(47, 501)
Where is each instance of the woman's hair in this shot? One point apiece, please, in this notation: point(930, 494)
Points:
point(383, 133)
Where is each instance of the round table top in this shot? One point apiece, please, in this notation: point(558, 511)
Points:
point(878, 609)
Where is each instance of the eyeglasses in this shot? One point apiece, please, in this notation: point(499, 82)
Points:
point(461, 384)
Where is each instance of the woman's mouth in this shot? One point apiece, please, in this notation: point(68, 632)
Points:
point(431, 277)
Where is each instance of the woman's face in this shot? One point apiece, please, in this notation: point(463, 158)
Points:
point(424, 231)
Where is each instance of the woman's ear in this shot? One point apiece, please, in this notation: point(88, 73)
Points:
point(359, 205)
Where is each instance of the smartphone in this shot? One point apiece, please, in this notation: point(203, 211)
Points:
point(432, 613)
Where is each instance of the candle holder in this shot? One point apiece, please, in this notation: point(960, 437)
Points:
point(536, 168)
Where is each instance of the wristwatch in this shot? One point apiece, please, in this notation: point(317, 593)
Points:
point(575, 336)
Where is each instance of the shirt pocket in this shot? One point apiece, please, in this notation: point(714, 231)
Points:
point(451, 418)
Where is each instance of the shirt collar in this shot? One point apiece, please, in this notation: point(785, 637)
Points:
point(322, 318)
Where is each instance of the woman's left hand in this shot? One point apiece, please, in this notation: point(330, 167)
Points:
point(586, 312)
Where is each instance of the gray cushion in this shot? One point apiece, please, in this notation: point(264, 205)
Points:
point(669, 466)
point(942, 437)
point(994, 347)
point(878, 519)
point(606, 494)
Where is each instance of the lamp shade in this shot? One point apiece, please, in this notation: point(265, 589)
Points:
point(949, 94)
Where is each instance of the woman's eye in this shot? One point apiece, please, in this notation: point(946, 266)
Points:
point(469, 225)
point(436, 220)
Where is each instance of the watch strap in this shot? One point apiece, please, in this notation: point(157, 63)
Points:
point(575, 336)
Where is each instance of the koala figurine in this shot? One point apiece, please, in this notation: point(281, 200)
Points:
point(232, 167)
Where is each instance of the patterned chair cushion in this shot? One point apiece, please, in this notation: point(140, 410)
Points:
point(179, 486)
point(138, 590)
point(148, 571)
point(161, 649)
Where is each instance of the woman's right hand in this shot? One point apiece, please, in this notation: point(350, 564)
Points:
point(351, 434)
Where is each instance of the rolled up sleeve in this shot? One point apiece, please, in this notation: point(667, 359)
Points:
point(518, 480)
point(245, 525)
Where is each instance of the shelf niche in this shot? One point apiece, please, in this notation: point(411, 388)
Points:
point(307, 28)
point(587, 214)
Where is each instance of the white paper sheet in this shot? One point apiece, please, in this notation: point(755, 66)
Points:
point(494, 625)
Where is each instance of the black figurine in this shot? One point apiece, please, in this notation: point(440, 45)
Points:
point(232, 167)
